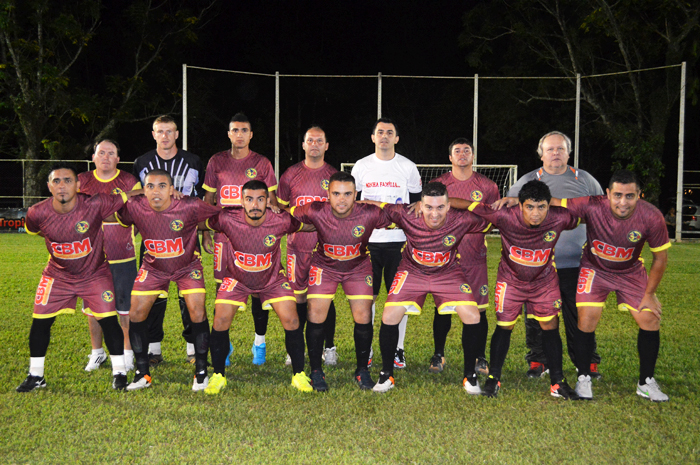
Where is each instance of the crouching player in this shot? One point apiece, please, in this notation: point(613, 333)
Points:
point(255, 239)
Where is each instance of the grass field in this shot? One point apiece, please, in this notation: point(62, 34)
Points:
point(428, 418)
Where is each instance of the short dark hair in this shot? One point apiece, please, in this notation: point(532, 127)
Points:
point(624, 177)
point(159, 172)
point(434, 189)
point(386, 121)
point(111, 141)
point(240, 117)
point(535, 190)
point(255, 185)
point(460, 141)
point(341, 176)
point(62, 165)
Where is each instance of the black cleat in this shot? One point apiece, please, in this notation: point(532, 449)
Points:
point(481, 367)
point(31, 382)
point(119, 383)
point(491, 387)
point(563, 390)
point(537, 370)
point(364, 379)
point(437, 363)
point(318, 381)
point(595, 374)
point(400, 359)
point(154, 360)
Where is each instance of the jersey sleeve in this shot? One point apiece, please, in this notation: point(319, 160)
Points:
point(31, 223)
point(383, 220)
point(294, 225)
point(270, 179)
point(205, 211)
point(415, 184)
point(578, 206)
point(572, 220)
point(210, 179)
point(111, 203)
point(284, 190)
point(475, 223)
point(124, 216)
point(394, 212)
point(486, 213)
point(658, 234)
point(214, 223)
point(492, 194)
point(301, 212)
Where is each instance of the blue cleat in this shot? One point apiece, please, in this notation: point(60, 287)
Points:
point(230, 352)
point(259, 354)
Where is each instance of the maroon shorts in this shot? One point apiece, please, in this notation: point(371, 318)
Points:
point(410, 288)
point(55, 296)
point(542, 295)
point(594, 285)
point(357, 284)
point(478, 277)
point(235, 293)
point(189, 280)
point(222, 252)
point(298, 266)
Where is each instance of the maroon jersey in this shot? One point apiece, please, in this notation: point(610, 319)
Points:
point(256, 250)
point(170, 236)
point(527, 253)
point(614, 244)
point(478, 188)
point(342, 242)
point(433, 250)
point(300, 185)
point(75, 239)
point(119, 241)
point(226, 175)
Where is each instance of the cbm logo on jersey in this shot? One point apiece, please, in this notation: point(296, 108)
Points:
point(477, 196)
point(304, 199)
point(325, 184)
point(465, 288)
point(196, 274)
point(585, 281)
point(230, 195)
point(291, 267)
point(253, 262)
point(449, 241)
point(433, 259)
point(358, 230)
point(269, 240)
point(368, 280)
point(108, 296)
point(484, 290)
point(610, 252)
point(82, 227)
point(228, 284)
point(549, 236)
point(315, 276)
point(286, 286)
point(71, 250)
point(116, 191)
point(177, 225)
point(341, 252)
point(43, 291)
point(168, 248)
point(634, 236)
point(251, 173)
point(528, 257)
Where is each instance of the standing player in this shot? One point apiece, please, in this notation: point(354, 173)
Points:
point(386, 176)
point(563, 181)
point(462, 182)
point(343, 230)
point(303, 183)
point(71, 224)
point(227, 172)
point(119, 245)
point(169, 231)
point(429, 265)
point(526, 275)
point(255, 268)
point(185, 169)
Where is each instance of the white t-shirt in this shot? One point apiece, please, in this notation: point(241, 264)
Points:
point(387, 181)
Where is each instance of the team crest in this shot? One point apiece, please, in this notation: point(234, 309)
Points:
point(358, 230)
point(82, 227)
point(557, 303)
point(177, 225)
point(477, 196)
point(368, 280)
point(251, 173)
point(325, 184)
point(196, 274)
point(449, 241)
point(108, 296)
point(549, 236)
point(634, 236)
point(269, 240)
point(465, 288)
point(484, 290)
point(286, 286)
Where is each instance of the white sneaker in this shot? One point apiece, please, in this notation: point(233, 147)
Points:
point(384, 384)
point(200, 386)
point(288, 361)
point(330, 356)
point(584, 388)
point(129, 362)
point(140, 382)
point(95, 361)
point(472, 389)
point(651, 391)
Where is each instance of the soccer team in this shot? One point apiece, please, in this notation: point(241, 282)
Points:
point(348, 229)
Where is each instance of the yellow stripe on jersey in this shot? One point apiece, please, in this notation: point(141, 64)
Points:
point(660, 248)
point(207, 188)
point(473, 206)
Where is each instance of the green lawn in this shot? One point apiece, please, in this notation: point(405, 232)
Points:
point(428, 418)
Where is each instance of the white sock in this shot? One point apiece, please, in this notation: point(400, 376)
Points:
point(374, 310)
point(99, 351)
point(190, 349)
point(118, 366)
point(154, 348)
point(36, 366)
point(259, 340)
point(402, 332)
point(128, 353)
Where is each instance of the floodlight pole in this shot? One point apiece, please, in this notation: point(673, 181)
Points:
point(184, 106)
point(277, 125)
point(475, 129)
point(379, 95)
point(578, 118)
point(679, 177)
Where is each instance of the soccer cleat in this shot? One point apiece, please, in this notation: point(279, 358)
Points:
point(400, 359)
point(563, 390)
point(437, 363)
point(201, 383)
point(471, 388)
point(302, 382)
point(584, 388)
point(259, 353)
point(537, 370)
point(119, 382)
point(216, 384)
point(330, 356)
point(230, 352)
point(595, 374)
point(481, 366)
point(31, 382)
point(384, 383)
point(140, 382)
point(191, 359)
point(651, 391)
point(154, 360)
point(371, 356)
point(318, 381)
point(95, 361)
point(491, 387)
point(288, 360)
point(364, 379)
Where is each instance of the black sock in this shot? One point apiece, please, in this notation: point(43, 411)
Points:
point(388, 339)
point(219, 346)
point(314, 344)
point(482, 335)
point(500, 343)
point(551, 344)
point(302, 310)
point(469, 346)
point(154, 320)
point(260, 316)
point(138, 335)
point(39, 336)
point(200, 334)
point(294, 342)
point(441, 326)
point(363, 341)
point(329, 327)
point(187, 333)
point(648, 343)
point(583, 349)
point(113, 334)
